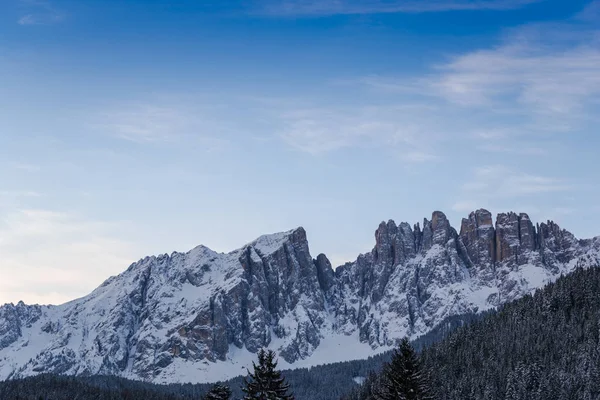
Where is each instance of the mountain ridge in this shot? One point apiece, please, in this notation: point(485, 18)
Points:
point(206, 312)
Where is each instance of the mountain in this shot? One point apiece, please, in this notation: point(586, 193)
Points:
point(322, 382)
point(200, 316)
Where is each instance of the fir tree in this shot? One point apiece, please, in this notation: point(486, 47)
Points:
point(402, 377)
point(218, 392)
point(266, 382)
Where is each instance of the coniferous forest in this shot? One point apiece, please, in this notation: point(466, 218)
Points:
point(543, 346)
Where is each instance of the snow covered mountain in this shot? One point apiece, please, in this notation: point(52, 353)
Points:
point(201, 316)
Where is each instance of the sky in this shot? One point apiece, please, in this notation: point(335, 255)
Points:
point(130, 128)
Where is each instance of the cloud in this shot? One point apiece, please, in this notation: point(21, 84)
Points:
point(51, 256)
point(525, 76)
point(10, 198)
point(554, 82)
point(159, 123)
point(418, 157)
point(563, 211)
point(543, 69)
point(333, 7)
point(326, 129)
point(499, 187)
point(590, 13)
point(501, 181)
point(16, 193)
point(520, 97)
point(321, 130)
point(146, 123)
point(27, 167)
point(41, 13)
point(466, 206)
point(40, 19)
point(511, 142)
point(517, 150)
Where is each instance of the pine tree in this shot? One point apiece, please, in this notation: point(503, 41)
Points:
point(512, 386)
point(402, 377)
point(218, 392)
point(266, 382)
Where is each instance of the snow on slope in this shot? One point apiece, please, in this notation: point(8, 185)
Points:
point(201, 316)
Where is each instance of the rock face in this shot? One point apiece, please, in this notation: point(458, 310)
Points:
point(479, 237)
point(201, 315)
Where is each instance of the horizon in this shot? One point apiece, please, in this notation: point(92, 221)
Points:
point(134, 127)
point(333, 264)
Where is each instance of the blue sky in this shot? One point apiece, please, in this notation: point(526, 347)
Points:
point(131, 128)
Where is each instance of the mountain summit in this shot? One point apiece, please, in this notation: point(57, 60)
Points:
point(200, 316)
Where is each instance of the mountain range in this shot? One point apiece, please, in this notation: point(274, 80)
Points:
point(201, 316)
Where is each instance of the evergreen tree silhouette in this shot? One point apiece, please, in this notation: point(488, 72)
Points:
point(218, 392)
point(266, 382)
point(403, 377)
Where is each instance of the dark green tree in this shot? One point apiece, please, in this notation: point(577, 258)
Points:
point(218, 392)
point(403, 378)
point(266, 382)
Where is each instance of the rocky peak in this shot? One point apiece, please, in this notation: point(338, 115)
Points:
point(557, 245)
point(14, 318)
point(268, 244)
point(407, 243)
point(385, 236)
point(426, 236)
point(441, 228)
point(515, 237)
point(527, 233)
point(435, 232)
point(325, 273)
point(512, 240)
point(418, 236)
point(478, 235)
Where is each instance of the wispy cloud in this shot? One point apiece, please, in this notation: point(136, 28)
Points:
point(27, 167)
point(530, 150)
point(503, 181)
point(16, 193)
point(160, 123)
point(550, 82)
point(325, 129)
point(524, 76)
point(11, 198)
point(520, 97)
point(53, 256)
point(499, 184)
point(590, 13)
point(146, 123)
point(418, 157)
point(466, 206)
point(512, 142)
point(550, 69)
point(499, 187)
point(40, 12)
point(332, 7)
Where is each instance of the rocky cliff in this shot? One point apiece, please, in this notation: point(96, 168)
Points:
point(201, 315)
